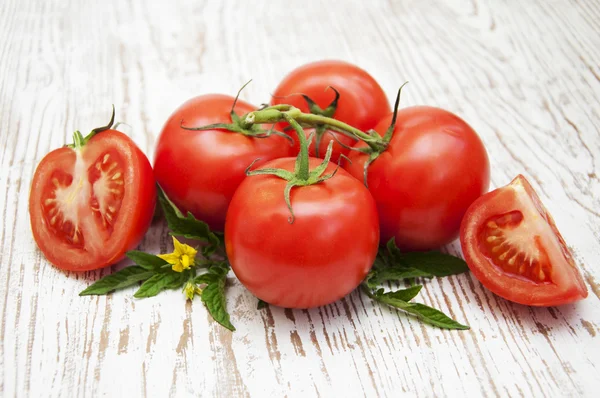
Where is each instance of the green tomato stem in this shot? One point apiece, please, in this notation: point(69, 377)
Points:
point(313, 119)
point(302, 169)
point(78, 140)
point(278, 113)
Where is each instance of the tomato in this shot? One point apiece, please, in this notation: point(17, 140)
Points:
point(362, 101)
point(88, 206)
point(320, 257)
point(200, 170)
point(434, 167)
point(512, 246)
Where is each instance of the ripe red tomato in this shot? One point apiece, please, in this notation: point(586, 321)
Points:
point(362, 101)
point(200, 170)
point(434, 167)
point(514, 249)
point(89, 206)
point(319, 258)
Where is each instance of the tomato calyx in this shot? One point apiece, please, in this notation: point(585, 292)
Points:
point(329, 112)
point(238, 125)
point(380, 144)
point(317, 110)
point(302, 175)
point(79, 140)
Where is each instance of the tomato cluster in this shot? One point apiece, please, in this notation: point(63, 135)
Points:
point(303, 232)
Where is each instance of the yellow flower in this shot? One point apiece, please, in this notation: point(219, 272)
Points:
point(182, 257)
point(189, 290)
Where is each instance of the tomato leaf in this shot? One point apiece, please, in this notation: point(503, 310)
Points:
point(436, 263)
point(261, 304)
point(392, 249)
point(205, 279)
point(425, 313)
point(429, 315)
point(213, 295)
point(188, 226)
point(402, 294)
point(145, 260)
point(378, 276)
point(126, 277)
point(159, 282)
point(432, 262)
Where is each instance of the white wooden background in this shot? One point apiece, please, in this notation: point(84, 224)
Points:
point(524, 74)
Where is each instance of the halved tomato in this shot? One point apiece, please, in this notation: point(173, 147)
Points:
point(90, 204)
point(512, 246)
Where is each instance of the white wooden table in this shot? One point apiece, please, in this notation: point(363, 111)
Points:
point(524, 74)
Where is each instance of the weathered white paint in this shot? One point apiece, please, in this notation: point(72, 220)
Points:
point(523, 73)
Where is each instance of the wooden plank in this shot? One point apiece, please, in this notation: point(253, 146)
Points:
point(525, 75)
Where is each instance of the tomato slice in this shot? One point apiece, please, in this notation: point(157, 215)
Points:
point(88, 206)
point(512, 246)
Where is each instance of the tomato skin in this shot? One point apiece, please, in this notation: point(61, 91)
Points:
point(362, 101)
point(319, 258)
point(200, 170)
point(536, 236)
point(132, 220)
point(434, 167)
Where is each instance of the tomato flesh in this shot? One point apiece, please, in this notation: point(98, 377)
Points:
point(88, 206)
point(513, 247)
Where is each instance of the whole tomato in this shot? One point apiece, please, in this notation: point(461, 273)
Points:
point(362, 102)
point(200, 170)
point(92, 202)
point(434, 167)
point(318, 258)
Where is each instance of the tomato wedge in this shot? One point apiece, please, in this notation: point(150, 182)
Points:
point(512, 246)
point(89, 205)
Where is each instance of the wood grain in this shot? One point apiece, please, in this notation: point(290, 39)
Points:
point(525, 75)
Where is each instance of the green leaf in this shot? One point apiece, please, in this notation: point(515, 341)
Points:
point(205, 279)
point(160, 282)
point(433, 316)
point(425, 313)
point(188, 226)
point(214, 272)
point(434, 262)
point(392, 249)
point(380, 261)
point(213, 295)
point(126, 277)
point(146, 260)
point(379, 276)
point(179, 282)
point(261, 304)
point(402, 294)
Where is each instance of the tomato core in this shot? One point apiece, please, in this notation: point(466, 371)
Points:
point(99, 188)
